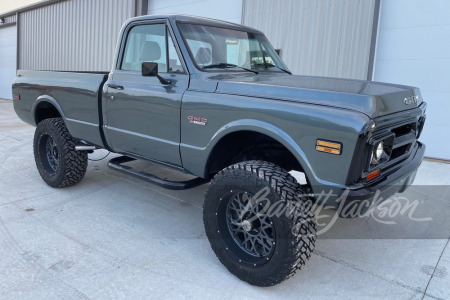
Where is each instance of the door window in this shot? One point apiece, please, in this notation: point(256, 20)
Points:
point(147, 43)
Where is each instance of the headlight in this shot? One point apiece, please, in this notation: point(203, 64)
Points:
point(378, 152)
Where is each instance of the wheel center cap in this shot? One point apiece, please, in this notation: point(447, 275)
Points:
point(246, 225)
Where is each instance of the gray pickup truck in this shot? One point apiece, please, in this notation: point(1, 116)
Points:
point(214, 100)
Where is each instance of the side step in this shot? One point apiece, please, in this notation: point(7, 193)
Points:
point(116, 164)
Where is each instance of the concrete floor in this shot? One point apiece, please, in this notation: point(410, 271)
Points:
point(113, 236)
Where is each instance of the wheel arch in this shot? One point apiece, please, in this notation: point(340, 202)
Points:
point(46, 107)
point(263, 129)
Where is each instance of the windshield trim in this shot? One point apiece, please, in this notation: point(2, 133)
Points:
point(231, 27)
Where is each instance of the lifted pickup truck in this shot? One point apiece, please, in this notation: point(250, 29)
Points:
point(214, 100)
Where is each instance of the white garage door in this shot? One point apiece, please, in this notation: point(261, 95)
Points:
point(413, 48)
point(8, 43)
point(230, 11)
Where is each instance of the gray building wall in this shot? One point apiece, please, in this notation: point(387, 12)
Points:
point(230, 10)
point(414, 49)
point(320, 38)
point(8, 54)
point(72, 35)
point(323, 37)
point(8, 40)
point(8, 20)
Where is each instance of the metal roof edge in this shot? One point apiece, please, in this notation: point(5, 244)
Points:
point(30, 7)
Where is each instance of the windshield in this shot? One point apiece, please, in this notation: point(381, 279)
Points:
point(222, 48)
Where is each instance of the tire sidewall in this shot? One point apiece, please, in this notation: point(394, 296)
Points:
point(283, 233)
point(47, 127)
point(42, 130)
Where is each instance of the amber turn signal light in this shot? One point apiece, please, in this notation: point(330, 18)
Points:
point(373, 175)
point(329, 147)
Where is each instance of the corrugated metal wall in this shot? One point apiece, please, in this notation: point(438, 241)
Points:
point(8, 20)
point(317, 37)
point(72, 35)
point(230, 10)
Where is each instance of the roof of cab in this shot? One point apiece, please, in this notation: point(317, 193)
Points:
point(195, 20)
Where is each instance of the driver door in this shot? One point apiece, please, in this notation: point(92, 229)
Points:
point(142, 115)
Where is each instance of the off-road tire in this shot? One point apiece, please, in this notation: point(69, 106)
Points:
point(295, 233)
point(71, 164)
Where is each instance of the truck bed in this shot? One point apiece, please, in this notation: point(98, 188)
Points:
point(75, 94)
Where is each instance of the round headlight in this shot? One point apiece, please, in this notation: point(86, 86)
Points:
point(378, 151)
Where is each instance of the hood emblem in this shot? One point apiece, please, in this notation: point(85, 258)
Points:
point(410, 100)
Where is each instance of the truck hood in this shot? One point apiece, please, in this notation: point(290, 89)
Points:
point(374, 99)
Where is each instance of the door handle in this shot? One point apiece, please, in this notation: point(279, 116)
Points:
point(115, 86)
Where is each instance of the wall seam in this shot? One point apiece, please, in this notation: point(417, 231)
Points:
point(373, 43)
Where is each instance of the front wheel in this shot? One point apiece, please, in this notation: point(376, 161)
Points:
point(259, 223)
point(59, 164)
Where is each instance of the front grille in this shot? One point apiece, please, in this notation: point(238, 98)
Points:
point(399, 139)
point(400, 151)
point(399, 133)
point(402, 130)
point(404, 139)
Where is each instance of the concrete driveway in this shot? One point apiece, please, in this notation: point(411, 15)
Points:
point(113, 236)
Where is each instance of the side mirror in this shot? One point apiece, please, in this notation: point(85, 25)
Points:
point(150, 69)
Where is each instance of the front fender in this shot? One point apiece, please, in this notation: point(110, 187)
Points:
point(267, 129)
point(296, 126)
point(201, 156)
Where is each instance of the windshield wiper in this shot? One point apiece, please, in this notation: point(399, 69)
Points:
point(226, 65)
point(268, 65)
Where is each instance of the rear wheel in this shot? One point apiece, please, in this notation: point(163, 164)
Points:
point(58, 162)
point(258, 222)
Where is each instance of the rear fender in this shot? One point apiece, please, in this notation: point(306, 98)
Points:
point(48, 99)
